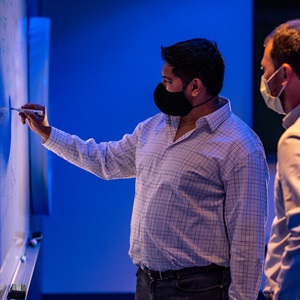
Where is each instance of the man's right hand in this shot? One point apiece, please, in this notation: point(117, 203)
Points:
point(271, 296)
point(38, 124)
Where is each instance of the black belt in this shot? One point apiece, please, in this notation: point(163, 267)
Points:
point(174, 274)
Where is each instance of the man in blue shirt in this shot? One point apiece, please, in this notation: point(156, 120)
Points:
point(280, 88)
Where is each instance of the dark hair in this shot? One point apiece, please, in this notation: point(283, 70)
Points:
point(197, 58)
point(286, 45)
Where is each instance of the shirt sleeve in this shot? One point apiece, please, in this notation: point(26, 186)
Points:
point(288, 231)
point(107, 160)
point(276, 245)
point(245, 218)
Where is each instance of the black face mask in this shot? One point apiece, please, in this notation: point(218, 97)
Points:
point(173, 103)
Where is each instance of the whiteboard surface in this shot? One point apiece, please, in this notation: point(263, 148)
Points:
point(14, 156)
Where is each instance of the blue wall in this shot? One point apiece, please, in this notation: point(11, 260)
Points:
point(105, 63)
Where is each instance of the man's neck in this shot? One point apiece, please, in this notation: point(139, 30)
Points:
point(201, 111)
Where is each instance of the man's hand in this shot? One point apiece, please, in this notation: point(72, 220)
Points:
point(38, 124)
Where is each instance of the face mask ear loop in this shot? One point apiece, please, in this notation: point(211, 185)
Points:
point(203, 68)
point(272, 76)
point(283, 87)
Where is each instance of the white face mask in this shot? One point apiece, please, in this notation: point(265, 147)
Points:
point(272, 102)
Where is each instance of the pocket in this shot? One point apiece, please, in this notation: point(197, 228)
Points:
point(206, 286)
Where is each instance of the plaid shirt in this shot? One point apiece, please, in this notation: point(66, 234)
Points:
point(199, 200)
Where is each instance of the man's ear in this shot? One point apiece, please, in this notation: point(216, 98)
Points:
point(197, 86)
point(287, 72)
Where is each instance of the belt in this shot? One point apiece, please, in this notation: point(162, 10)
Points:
point(174, 274)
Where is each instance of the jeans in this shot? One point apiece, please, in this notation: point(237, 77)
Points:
point(211, 285)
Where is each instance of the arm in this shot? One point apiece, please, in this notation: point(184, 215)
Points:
point(245, 217)
point(109, 160)
point(276, 245)
point(289, 200)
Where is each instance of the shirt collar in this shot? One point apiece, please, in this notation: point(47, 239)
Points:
point(213, 120)
point(216, 118)
point(291, 117)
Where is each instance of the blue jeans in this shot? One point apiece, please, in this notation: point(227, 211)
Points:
point(209, 285)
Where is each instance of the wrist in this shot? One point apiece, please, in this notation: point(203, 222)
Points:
point(46, 133)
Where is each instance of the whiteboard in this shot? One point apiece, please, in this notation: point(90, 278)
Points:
point(14, 149)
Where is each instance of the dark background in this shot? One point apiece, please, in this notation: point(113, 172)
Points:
point(266, 16)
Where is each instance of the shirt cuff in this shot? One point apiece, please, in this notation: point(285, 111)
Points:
point(56, 140)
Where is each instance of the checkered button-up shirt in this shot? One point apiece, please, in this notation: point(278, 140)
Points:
point(199, 200)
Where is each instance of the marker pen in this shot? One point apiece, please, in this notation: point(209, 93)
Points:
point(36, 111)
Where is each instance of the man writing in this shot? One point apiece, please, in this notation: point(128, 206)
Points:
point(197, 227)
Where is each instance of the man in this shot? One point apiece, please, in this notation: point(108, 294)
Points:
point(280, 87)
point(197, 229)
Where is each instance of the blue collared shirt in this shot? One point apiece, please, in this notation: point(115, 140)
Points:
point(199, 200)
point(283, 257)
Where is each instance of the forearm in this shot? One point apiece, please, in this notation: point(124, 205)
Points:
point(96, 158)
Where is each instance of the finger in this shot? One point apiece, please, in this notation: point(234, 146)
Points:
point(32, 116)
point(33, 106)
point(23, 118)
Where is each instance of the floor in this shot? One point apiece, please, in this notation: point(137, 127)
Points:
point(102, 297)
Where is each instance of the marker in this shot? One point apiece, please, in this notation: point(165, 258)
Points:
point(35, 238)
point(33, 243)
point(35, 111)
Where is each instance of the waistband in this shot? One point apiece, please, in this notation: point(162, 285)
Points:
point(174, 274)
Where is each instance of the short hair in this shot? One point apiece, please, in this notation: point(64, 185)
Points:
point(197, 58)
point(286, 45)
